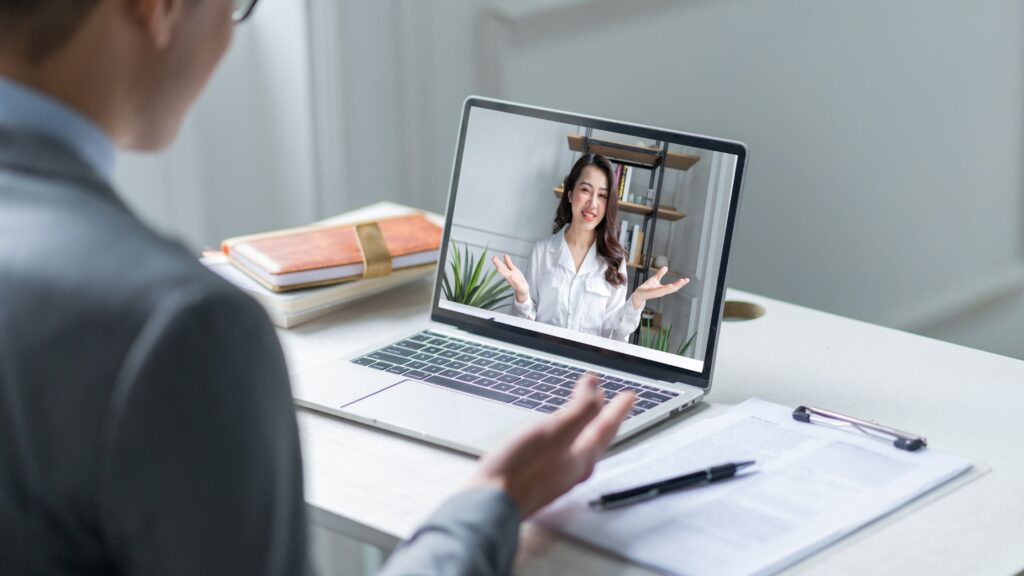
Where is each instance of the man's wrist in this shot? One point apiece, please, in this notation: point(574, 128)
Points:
point(495, 482)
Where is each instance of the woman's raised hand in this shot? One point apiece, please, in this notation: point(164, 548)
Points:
point(514, 277)
point(653, 288)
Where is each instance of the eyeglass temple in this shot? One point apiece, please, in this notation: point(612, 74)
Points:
point(241, 15)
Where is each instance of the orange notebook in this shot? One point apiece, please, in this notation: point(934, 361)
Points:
point(321, 255)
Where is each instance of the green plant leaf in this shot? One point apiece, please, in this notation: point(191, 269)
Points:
point(491, 284)
point(485, 293)
point(457, 273)
point(494, 302)
point(646, 339)
point(474, 294)
point(495, 289)
point(467, 269)
point(477, 270)
point(497, 294)
point(446, 288)
point(655, 340)
point(470, 285)
point(686, 346)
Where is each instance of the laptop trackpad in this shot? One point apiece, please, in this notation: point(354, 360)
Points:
point(459, 420)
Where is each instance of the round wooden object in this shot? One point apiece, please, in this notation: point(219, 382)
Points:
point(736, 311)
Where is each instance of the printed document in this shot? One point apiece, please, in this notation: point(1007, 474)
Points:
point(812, 485)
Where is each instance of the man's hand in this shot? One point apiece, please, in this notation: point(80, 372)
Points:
point(547, 460)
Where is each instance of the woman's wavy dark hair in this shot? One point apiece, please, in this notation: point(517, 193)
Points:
point(608, 246)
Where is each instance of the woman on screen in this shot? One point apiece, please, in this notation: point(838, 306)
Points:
point(577, 277)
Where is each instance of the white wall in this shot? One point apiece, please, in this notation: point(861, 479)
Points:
point(509, 167)
point(244, 159)
point(885, 180)
point(885, 138)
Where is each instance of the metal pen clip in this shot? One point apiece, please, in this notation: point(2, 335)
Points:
point(900, 439)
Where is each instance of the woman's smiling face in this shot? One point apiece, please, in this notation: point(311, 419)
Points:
point(589, 198)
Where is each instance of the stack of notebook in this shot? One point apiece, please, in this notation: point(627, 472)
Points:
point(303, 273)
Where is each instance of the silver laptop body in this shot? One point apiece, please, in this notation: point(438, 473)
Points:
point(471, 377)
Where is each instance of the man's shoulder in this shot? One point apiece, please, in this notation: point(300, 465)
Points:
point(78, 235)
point(75, 261)
point(100, 312)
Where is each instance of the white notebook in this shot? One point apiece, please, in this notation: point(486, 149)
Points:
point(290, 309)
point(811, 486)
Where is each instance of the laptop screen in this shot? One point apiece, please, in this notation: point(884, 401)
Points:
point(593, 239)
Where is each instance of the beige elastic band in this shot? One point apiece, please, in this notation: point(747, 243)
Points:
point(376, 257)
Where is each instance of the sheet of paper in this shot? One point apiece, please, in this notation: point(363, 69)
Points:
point(811, 486)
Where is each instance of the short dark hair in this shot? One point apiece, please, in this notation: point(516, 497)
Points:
point(40, 27)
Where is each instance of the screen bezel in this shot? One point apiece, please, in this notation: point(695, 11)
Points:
point(570, 348)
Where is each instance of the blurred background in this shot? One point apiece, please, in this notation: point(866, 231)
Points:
point(885, 180)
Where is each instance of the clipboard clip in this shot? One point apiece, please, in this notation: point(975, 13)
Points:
point(900, 439)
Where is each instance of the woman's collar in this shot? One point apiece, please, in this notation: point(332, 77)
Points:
point(558, 245)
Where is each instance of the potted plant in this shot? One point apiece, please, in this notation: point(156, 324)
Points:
point(469, 285)
point(659, 339)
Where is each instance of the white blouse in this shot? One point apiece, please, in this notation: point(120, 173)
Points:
point(583, 301)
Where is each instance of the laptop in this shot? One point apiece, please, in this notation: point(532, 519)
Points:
point(486, 366)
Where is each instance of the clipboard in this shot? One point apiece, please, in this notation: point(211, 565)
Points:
point(900, 439)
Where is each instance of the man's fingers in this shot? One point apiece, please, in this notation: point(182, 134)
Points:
point(584, 406)
point(596, 437)
point(508, 262)
point(661, 273)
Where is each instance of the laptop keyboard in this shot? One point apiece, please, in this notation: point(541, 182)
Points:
point(501, 375)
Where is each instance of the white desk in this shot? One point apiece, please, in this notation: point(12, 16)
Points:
point(376, 487)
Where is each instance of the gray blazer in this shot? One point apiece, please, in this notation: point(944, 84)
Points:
point(146, 420)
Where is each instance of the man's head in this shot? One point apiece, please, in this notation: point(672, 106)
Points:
point(134, 67)
point(37, 28)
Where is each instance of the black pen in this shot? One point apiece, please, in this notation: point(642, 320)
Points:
point(655, 489)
